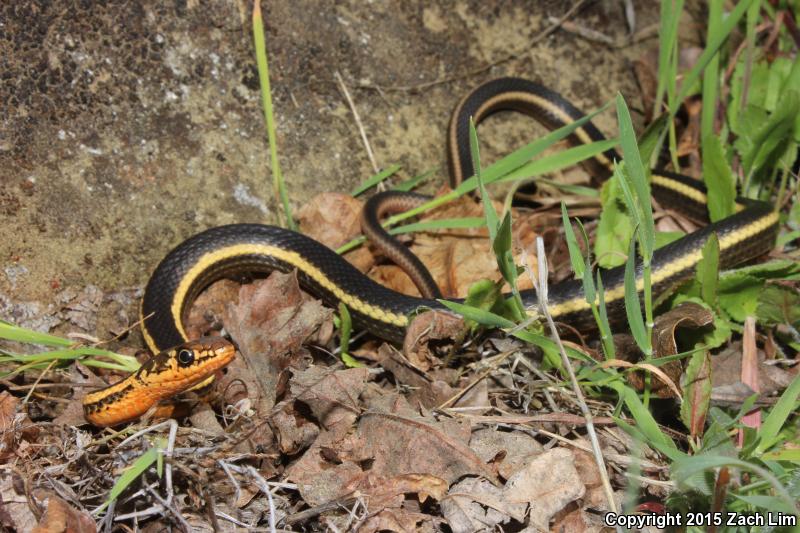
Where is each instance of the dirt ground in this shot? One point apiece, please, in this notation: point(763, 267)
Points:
point(127, 127)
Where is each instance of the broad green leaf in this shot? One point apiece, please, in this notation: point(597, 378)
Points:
point(615, 229)
point(719, 180)
point(663, 238)
point(696, 386)
point(778, 305)
point(708, 271)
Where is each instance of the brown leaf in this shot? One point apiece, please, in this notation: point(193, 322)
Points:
point(332, 395)
point(446, 455)
point(423, 485)
point(750, 373)
point(427, 327)
point(331, 218)
point(207, 310)
point(474, 504)
point(60, 517)
point(509, 451)
point(689, 315)
point(14, 426)
point(293, 431)
point(270, 323)
point(548, 483)
point(398, 520)
point(388, 443)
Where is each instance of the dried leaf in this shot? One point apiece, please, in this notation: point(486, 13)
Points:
point(474, 504)
point(270, 323)
point(508, 451)
point(60, 517)
point(331, 218)
point(427, 327)
point(689, 315)
point(548, 483)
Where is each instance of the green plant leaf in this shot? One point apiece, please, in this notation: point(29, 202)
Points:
point(374, 180)
point(633, 309)
point(787, 404)
point(708, 271)
point(131, 474)
point(575, 254)
point(696, 386)
point(719, 180)
point(615, 229)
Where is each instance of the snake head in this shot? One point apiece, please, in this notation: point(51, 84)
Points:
point(160, 378)
point(180, 368)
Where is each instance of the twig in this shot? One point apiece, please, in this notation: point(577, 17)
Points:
point(264, 487)
point(541, 292)
point(357, 118)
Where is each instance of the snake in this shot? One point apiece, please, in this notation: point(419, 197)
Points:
point(234, 249)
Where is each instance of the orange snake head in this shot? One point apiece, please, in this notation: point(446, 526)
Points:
point(160, 378)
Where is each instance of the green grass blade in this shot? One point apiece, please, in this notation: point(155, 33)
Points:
point(712, 48)
point(374, 180)
point(481, 316)
point(15, 333)
point(711, 74)
point(279, 188)
point(560, 160)
point(708, 271)
point(638, 176)
point(575, 254)
point(633, 309)
point(415, 181)
point(131, 474)
point(786, 406)
point(489, 211)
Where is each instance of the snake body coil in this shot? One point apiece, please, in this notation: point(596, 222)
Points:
point(227, 250)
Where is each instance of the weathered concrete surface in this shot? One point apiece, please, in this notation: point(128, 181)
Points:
point(125, 128)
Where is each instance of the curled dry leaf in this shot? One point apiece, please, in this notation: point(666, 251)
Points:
point(427, 327)
point(474, 504)
point(270, 323)
point(547, 483)
point(425, 391)
point(331, 218)
point(14, 425)
point(332, 395)
point(686, 315)
point(60, 517)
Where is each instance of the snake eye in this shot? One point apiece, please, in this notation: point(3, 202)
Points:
point(185, 357)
